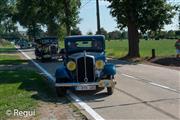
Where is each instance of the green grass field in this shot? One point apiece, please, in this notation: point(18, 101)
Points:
point(6, 46)
point(119, 48)
point(20, 90)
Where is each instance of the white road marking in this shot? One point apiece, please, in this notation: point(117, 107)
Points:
point(152, 83)
point(162, 86)
point(86, 107)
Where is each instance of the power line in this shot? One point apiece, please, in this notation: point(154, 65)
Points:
point(86, 3)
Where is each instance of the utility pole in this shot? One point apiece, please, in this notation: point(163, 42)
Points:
point(98, 17)
point(179, 19)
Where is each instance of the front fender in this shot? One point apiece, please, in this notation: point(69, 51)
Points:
point(62, 74)
point(109, 69)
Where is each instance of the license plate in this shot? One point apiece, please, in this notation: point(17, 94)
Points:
point(46, 56)
point(86, 87)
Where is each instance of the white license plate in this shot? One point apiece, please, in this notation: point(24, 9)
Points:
point(46, 56)
point(86, 87)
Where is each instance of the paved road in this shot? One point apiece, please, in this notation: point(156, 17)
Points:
point(142, 92)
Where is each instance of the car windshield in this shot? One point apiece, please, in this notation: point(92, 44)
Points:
point(81, 45)
point(45, 41)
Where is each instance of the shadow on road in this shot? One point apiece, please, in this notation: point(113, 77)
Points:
point(118, 63)
point(168, 61)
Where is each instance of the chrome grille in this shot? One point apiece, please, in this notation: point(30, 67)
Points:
point(85, 68)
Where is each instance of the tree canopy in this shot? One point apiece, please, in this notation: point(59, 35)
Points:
point(140, 15)
point(50, 13)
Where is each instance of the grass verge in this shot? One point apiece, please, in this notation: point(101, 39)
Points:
point(6, 46)
point(20, 90)
point(11, 59)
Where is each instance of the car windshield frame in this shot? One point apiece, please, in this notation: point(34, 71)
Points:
point(94, 39)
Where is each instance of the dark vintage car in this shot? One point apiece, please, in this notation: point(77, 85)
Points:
point(85, 66)
point(46, 48)
point(24, 44)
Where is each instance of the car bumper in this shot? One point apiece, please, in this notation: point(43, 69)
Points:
point(101, 83)
point(75, 84)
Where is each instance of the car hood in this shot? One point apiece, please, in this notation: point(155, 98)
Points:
point(96, 55)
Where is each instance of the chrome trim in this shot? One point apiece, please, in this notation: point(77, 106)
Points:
point(85, 68)
point(75, 84)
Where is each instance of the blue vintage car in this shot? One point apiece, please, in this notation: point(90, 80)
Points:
point(85, 66)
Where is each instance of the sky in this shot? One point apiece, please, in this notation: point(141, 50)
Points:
point(88, 17)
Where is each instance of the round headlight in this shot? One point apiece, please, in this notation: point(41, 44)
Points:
point(99, 64)
point(71, 65)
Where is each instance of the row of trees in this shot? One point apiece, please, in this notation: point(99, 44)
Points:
point(58, 16)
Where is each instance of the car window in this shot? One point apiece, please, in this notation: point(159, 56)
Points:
point(84, 44)
point(81, 45)
point(45, 41)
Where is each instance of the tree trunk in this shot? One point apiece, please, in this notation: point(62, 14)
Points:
point(133, 39)
point(67, 15)
point(52, 27)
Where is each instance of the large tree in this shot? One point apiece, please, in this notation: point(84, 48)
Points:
point(26, 14)
point(140, 16)
point(71, 10)
point(103, 32)
point(6, 11)
point(51, 13)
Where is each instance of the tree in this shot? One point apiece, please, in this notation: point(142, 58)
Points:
point(103, 32)
point(114, 35)
point(6, 11)
point(76, 31)
point(140, 15)
point(89, 33)
point(27, 15)
point(71, 14)
point(50, 13)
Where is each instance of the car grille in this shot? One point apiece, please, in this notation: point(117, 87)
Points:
point(53, 49)
point(81, 69)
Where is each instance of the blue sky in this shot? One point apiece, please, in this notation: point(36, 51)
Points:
point(88, 16)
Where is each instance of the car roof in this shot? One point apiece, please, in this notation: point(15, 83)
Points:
point(75, 37)
point(49, 37)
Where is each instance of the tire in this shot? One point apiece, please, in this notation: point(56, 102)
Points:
point(61, 91)
point(110, 90)
point(43, 60)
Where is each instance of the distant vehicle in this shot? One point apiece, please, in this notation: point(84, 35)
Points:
point(24, 44)
point(85, 66)
point(46, 48)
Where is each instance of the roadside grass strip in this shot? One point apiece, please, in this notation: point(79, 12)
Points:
point(6, 46)
point(11, 59)
point(20, 90)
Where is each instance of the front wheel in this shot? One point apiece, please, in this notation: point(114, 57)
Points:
point(110, 90)
point(61, 91)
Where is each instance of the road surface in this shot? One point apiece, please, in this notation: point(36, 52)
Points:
point(142, 92)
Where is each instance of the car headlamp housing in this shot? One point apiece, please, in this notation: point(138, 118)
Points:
point(71, 65)
point(99, 64)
